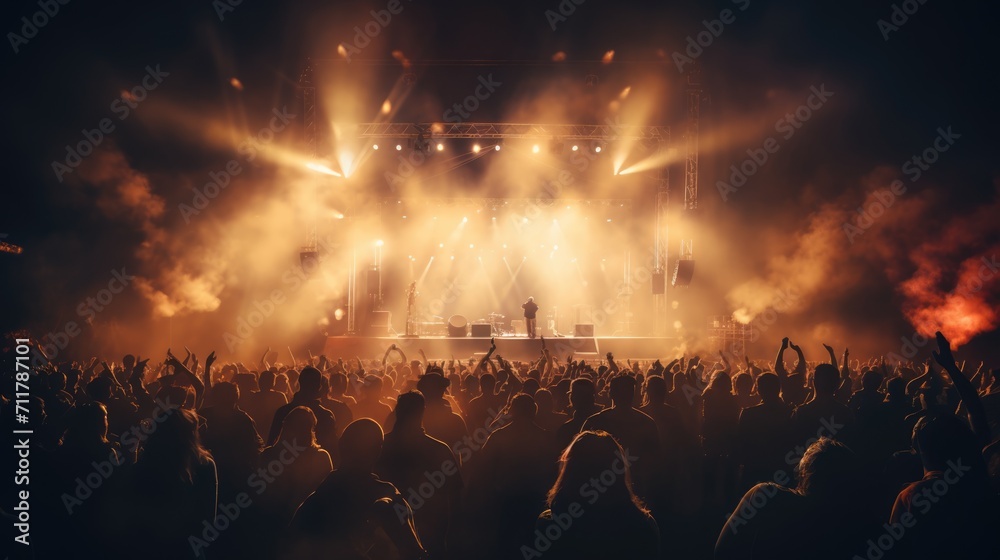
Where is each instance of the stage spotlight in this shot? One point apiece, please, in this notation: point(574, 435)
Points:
point(575, 147)
point(375, 146)
point(338, 314)
point(555, 247)
point(464, 219)
point(472, 246)
point(399, 147)
point(609, 220)
point(475, 148)
point(504, 245)
point(497, 147)
point(440, 245)
point(597, 149)
point(379, 243)
point(440, 147)
point(453, 257)
point(535, 149)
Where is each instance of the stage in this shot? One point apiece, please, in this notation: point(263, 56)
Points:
point(510, 347)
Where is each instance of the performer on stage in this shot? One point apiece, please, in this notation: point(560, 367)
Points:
point(530, 309)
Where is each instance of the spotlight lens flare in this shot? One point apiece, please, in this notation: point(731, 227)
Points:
point(319, 167)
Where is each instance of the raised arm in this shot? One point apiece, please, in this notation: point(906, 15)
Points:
point(612, 366)
point(974, 406)
point(833, 357)
point(779, 360)
point(800, 365)
point(486, 359)
point(181, 369)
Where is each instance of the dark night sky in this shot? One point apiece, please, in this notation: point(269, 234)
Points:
point(938, 69)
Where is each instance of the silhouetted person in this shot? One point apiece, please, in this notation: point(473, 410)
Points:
point(530, 321)
point(583, 405)
point(308, 396)
point(821, 517)
point(485, 407)
point(341, 412)
point(82, 519)
point(594, 506)
point(687, 400)
point(547, 417)
point(370, 403)
point(231, 436)
point(262, 405)
point(635, 431)
point(743, 389)
point(720, 421)
point(440, 421)
point(173, 491)
point(950, 512)
point(763, 434)
point(288, 472)
point(353, 515)
point(425, 470)
point(510, 477)
point(823, 415)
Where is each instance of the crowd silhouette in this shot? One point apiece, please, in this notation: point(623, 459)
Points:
point(563, 458)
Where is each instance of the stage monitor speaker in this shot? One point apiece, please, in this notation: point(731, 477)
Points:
point(683, 273)
point(481, 330)
point(659, 283)
point(583, 329)
point(458, 325)
point(379, 323)
point(309, 261)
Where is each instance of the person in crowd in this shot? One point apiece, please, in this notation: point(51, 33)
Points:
point(414, 461)
point(308, 396)
point(595, 507)
point(262, 405)
point(173, 492)
point(776, 522)
point(354, 515)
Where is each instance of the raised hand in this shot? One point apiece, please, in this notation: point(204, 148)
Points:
point(943, 354)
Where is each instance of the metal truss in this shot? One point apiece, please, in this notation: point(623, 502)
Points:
point(605, 132)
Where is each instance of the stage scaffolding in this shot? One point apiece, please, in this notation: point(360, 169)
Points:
point(656, 138)
point(727, 334)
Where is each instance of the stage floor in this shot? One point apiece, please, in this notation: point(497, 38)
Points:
point(510, 347)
